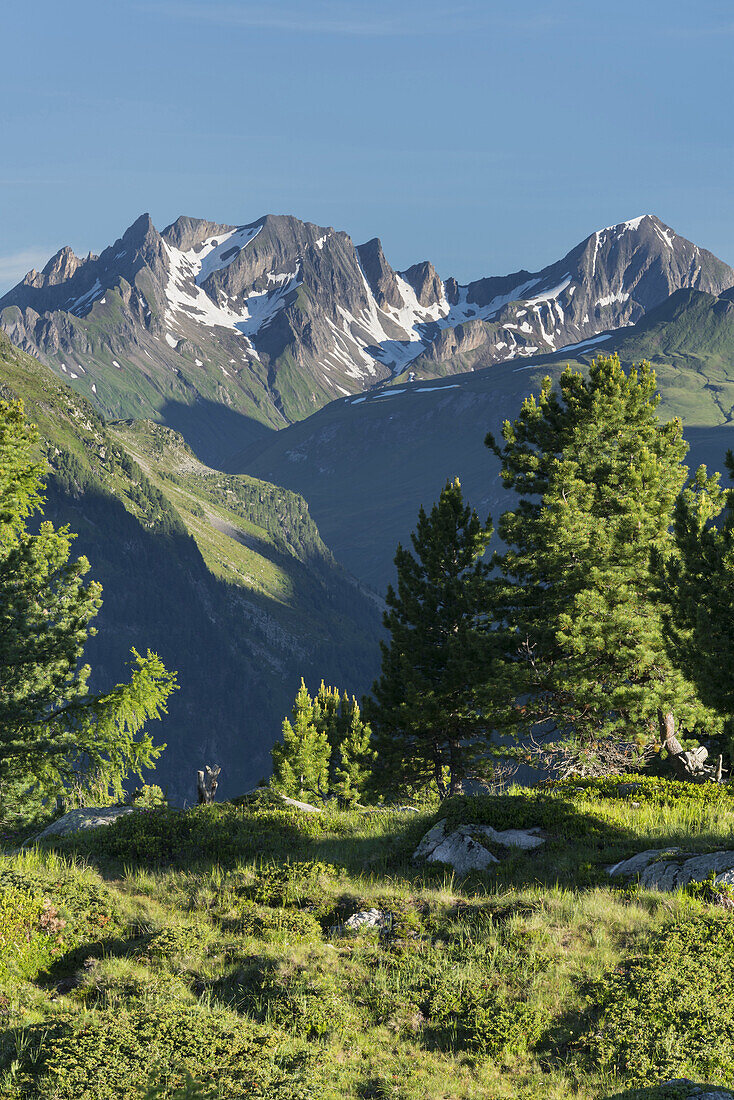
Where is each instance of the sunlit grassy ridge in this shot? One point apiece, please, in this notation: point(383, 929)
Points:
point(208, 943)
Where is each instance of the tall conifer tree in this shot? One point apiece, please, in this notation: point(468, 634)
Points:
point(53, 732)
point(698, 588)
point(424, 709)
point(597, 475)
point(301, 760)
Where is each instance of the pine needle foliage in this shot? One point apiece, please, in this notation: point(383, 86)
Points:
point(53, 732)
point(597, 475)
point(698, 588)
point(430, 727)
point(326, 749)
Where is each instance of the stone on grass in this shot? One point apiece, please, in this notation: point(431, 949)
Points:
point(305, 806)
point(89, 818)
point(366, 918)
point(669, 868)
point(464, 848)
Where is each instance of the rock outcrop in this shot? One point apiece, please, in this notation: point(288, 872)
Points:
point(465, 848)
point(669, 868)
point(92, 817)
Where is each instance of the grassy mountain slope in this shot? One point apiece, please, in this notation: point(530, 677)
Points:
point(208, 942)
point(366, 465)
point(226, 578)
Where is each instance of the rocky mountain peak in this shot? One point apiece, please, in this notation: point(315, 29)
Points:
point(379, 274)
point(424, 280)
point(186, 233)
point(60, 267)
point(277, 317)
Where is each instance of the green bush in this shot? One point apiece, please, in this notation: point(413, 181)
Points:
point(268, 924)
point(24, 948)
point(223, 833)
point(670, 1011)
point(482, 1018)
point(147, 796)
point(526, 809)
point(45, 911)
point(311, 1006)
point(655, 790)
point(170, 942)
point(290, 883)
point(113, 1055)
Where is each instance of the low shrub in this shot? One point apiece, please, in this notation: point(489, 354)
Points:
point(272, 924)
point(311, 1006)
point(222, 833)
point(294, 883)
point(115, 1055)
point(482, 1018)
point(47, 911)
point(174, 941)
point(26, 947)
point(670, 1011)
point(526, 809)
point(655, 790)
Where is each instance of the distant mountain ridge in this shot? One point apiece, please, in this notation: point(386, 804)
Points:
point(224, 331)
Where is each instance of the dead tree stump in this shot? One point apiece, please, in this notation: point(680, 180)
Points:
point(206, 784)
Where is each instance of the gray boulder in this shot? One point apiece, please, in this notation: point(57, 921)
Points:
point(669, 868)
point(305, 806)
point(699, 1092)
point(465, 848)
point(89, 818)
point(366, 918)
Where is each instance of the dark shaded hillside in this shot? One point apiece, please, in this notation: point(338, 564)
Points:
point(239, 638)
point(366, 465)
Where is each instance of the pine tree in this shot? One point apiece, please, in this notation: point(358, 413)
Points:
point(354, 755)
point(301, 761)
point(698, 589)
point(598, 476)
point(53, 732)
point(425, 708)
point(325, 749)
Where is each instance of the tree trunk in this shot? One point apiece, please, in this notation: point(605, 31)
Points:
point(456, 772)
point(668, 740)
point(206, 784)
point(438, 776)
point(690, 765)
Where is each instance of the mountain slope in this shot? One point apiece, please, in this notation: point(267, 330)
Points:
point(226, 332)
point(226, 578)
point(367, 464)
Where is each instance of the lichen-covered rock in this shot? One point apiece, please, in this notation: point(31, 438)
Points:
point(465, 848)
point(669, 868)
point(89, 818)
point(305, 806)
point(366, 918)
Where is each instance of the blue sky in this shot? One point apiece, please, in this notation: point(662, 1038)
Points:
point(484, 135)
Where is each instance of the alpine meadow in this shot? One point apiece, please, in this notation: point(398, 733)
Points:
point(367, 621)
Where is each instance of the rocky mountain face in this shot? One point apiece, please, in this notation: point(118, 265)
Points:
point(220, 330)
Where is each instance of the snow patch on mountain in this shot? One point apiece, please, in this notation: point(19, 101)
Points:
point(185, 295)
point(219, 251)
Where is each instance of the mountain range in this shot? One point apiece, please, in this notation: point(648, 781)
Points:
point(225, 332)
point(242, 422)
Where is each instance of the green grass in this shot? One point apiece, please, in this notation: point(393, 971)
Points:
point(201, 942)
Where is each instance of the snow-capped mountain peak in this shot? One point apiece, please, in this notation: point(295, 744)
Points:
point(277, 317)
